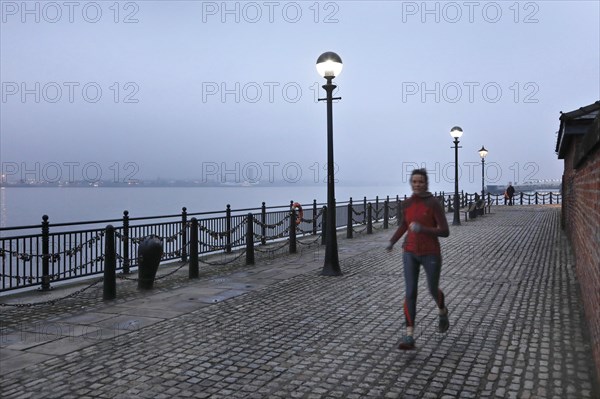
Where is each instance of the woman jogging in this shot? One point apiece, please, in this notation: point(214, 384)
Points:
point(424, 219)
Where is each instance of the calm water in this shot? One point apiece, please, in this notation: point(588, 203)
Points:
point(23, 206)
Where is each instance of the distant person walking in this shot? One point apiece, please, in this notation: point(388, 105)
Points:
point(509, 193)
point(424, 219)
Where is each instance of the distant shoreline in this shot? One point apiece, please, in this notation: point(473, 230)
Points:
point(182, 184)
point(148, 184)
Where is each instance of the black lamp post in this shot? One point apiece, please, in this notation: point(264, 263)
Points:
point(482, 153)
point(329, 65)
point(456, 132)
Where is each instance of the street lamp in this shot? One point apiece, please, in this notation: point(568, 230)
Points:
point(329, 65)
point(456, 132)
point(482, 153)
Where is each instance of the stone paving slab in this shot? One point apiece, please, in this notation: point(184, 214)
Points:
point(517, 328)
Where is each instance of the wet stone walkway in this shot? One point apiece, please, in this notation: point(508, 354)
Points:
point(280, 330)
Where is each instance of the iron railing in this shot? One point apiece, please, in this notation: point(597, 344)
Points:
point(61, 252)
point(537, 198)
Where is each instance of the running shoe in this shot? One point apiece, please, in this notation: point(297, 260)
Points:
point(407, 343)
point(444, 322)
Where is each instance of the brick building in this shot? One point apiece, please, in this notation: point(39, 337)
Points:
point(578, 144)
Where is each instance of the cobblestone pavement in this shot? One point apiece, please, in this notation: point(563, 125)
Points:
point(280, 330)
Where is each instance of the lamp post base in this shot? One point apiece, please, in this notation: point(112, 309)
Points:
point(331, 270)
point(456, 219)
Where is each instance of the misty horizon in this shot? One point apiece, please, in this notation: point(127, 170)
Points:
point(200, 90)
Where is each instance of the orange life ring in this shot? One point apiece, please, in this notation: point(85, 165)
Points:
point(300, 214)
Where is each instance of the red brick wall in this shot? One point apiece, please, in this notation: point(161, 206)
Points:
point(581, 208)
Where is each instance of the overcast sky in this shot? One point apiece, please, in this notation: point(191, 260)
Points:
point(197, 89)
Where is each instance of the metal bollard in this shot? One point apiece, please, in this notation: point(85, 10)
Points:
point(369, 218)
point(150, 251)
point(110, 265)
point(184, 254)
point(193, 267)
point(250, 240)
point(292, 232)
point(324, 226)
point(314, 217)
point(263, 227)
point(349, 224)
point(125, 239)
point(228, 227)
point(45, 254)
point(386, 214)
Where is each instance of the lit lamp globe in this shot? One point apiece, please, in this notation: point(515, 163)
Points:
point(329, 65)
point(483, 152)
point(456, 132)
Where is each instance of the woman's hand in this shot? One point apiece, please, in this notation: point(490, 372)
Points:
point(415, 227)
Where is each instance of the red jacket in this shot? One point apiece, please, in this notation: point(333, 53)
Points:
point(427, 211)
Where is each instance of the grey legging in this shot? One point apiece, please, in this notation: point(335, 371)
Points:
point(433, 266)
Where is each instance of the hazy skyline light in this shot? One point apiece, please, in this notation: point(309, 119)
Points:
point(212, 90)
